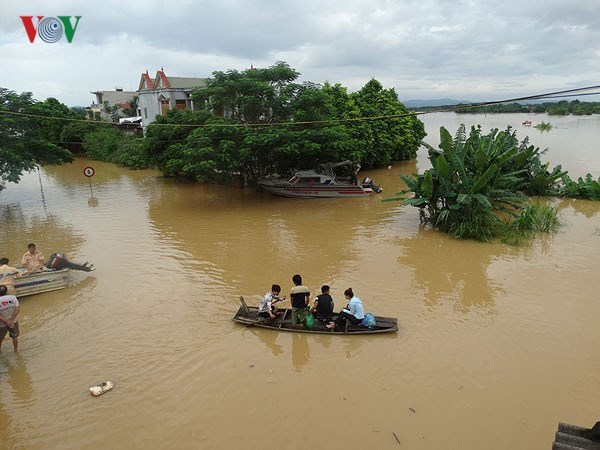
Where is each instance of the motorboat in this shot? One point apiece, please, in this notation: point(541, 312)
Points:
point(321, 183)
point(52, 277)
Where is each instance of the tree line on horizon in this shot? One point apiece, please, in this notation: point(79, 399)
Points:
point(560, 108)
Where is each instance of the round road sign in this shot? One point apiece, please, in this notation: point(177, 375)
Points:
point(89, 171)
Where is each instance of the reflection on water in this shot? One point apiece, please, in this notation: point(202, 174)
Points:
point(587, 208)
point(445, 275)
point(508, 325)
point(300, 351)
point(269, 338)
point(48, 231)
point(18, 379)
point(16, 392)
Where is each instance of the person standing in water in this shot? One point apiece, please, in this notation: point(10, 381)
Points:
point(9, 309)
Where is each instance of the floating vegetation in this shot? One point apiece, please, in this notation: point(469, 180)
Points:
point(544, 126)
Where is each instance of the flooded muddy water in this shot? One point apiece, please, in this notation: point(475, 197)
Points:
point(496, 344)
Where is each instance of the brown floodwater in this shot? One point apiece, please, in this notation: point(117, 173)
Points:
point(496, 343)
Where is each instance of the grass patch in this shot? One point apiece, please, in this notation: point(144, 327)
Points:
point(535, 218)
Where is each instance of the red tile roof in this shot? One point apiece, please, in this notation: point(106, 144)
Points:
point(165, 81)
point(146, 82)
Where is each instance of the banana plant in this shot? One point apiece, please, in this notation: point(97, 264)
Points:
point(476, 179)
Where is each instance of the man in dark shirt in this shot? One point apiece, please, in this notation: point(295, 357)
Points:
point(323, 305)
point(299, 296)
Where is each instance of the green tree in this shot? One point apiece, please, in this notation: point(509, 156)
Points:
point(261, 121)
point(269, 97)
point(58, 117)
point(384, 140)
point(252, 96)
point(24, 141)
point(165, 133)
point(131, 110)
point(112, 145)
point(73, 133)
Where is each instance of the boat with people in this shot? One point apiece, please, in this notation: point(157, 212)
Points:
point(328, 181)
point(52, 277)
point(248, 315)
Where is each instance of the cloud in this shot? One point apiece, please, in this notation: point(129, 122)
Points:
point(466, 49)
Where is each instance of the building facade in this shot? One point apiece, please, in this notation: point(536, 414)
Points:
point(109, 105)
point(158, 95)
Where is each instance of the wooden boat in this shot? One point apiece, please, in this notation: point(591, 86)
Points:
point(324, 183)
point(53, 277)
point(248, 315)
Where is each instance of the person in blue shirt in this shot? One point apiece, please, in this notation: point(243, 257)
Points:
point(354, 311)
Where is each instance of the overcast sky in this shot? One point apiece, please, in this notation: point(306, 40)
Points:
point(425, 49)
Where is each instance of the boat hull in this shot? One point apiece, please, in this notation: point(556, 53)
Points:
point(39, 282)
point(248, 315)
point(314, 191)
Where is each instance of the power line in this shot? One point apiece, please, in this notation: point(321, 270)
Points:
point(556, 94)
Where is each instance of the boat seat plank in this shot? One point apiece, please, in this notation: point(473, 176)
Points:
point(573, 437)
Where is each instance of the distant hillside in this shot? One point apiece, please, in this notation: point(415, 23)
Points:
point(433, 102)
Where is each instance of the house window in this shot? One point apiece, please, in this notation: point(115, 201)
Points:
point(145, 113)
point(180, 104)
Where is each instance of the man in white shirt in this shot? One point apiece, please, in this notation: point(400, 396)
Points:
point(9, 309)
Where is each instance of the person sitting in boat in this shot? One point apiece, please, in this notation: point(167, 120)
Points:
point(33, 260)
point(354, 311)
point(322, 307)
point(8, 275)
point(299, 297)
point(267, 307)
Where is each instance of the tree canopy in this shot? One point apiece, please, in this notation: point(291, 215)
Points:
point(27, 140)
point(253, 122)
point(261, 121)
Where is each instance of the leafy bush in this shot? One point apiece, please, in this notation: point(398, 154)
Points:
point(543, 126)
point(587, 188)
point(112, 145)
point(477, 179)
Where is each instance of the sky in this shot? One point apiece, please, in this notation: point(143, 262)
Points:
point(425, 49)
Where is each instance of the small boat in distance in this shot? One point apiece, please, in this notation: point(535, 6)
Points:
point(248, 315)
point(322, 183)
point(52, 277)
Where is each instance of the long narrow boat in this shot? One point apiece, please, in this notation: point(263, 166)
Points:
point(248, 315)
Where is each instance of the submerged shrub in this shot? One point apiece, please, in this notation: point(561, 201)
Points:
point(534, 218)
point(585, 188)
point(112, 145)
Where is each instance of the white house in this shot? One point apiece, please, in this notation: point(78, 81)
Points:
point(157, 96)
